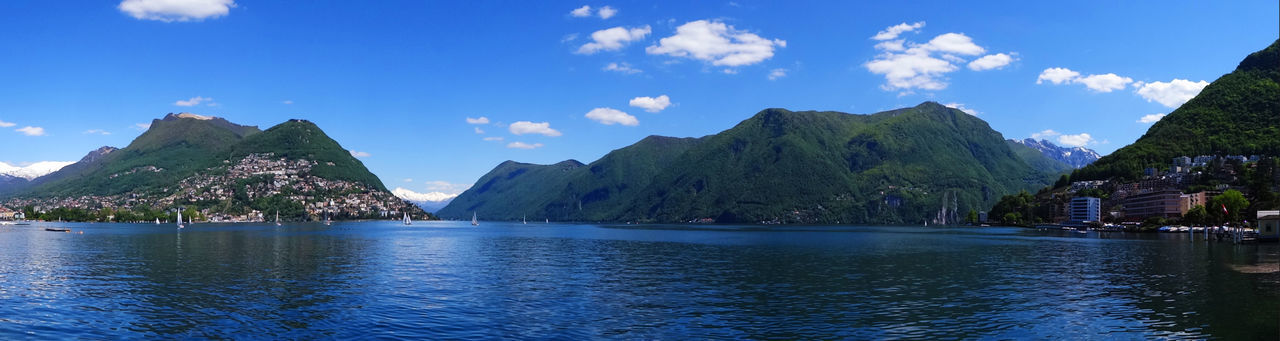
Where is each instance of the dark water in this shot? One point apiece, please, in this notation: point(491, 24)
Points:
point(450, 280)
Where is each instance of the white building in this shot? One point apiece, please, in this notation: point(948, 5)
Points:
point(1085, 209)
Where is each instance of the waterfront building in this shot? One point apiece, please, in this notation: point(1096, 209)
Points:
point(1161, 203)
point(1269, 226)
point(1085, 209)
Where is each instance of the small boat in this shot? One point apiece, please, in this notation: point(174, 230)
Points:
point(548, 220)
point(277, 217)
point(407, 221)
point(524, 220)
point(474, 222)
point(157, 221)
point(180, 225)
point(54, 229)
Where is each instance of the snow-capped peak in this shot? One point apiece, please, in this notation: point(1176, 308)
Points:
point(33, 170)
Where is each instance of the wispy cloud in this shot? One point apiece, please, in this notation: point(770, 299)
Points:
point(4, 124)
point(775, 74)
point(1098, 82)
point(97, 132)
point(522, 145)
point(1151, 118)
point(613, 39)
point(623, 68)
point(31, 131)
point(194, 101)
point(481, 120)
point(360, 154)
point(611, 116)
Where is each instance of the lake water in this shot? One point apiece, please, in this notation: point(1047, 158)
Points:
point(448, 280)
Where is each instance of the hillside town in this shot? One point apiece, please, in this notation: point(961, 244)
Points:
point(251, 189)
point(1200, 190)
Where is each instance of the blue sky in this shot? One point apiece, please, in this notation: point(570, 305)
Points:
point(397, 81)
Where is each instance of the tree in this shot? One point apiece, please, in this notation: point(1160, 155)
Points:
point(1197, 215)
point(1233, 201)
point(972, 217)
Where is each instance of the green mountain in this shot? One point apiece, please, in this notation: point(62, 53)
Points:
point(301, 139)
point(909, 165)
point(1237, 114)
point(221, 170)
point(173, 148)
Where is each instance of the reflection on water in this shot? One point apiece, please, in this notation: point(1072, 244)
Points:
point(445, 280)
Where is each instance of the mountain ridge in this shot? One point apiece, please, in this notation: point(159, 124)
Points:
point(777, 166)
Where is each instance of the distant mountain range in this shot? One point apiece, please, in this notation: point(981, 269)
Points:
point(1237, 114)
point(905, 166)
point(431, 202)
point(222, 169)
point(31, 171)
point(1076, 157)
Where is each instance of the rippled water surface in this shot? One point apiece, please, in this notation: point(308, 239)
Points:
point(440, 280)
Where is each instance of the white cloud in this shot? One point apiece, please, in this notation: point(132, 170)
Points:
point(4, 124)
point(481, 120)
point(287, 101)
point(522, 145)
point(606, 12)
point(908, 65)
point(142, 126)
point(31, 131)
point(892, 32)
point(581, 12)
point(717, 43)
point(961, 107)
point(891, 45)
point(651, 104)
point(610, 116)
point(410, 195)
point(479, 131)
point(777, 73)
point(447, 187)
point(991, 61)
point(1045, 134)
point(1105, 82)
point(526, 127)
point(1171, 94)
point(1100, 83)
point(194, 101)
point(97, 131)
point(408, 180)
point(622, 68)
point(1077, 140)
point(911, 70)
point(957, 43)
point(493, 138)
point(1057, 75)
point(1069, 140)
point(613, 39)
point(1151, 118)
point(360, 154)
point(176, 10)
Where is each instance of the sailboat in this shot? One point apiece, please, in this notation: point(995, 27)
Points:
point(157, 221)
point(277, 217)
point(180, 225)
point(406, 219)
point(525, 220)
point(474, 222)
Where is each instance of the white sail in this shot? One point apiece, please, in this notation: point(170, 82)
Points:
point(180, 219)
point(407, 221)
point(474, 222)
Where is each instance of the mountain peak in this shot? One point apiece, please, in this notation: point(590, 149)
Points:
point(1076, 157)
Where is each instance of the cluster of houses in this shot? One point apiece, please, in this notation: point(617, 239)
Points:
point(1159, 194)
point(273, 176)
